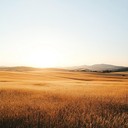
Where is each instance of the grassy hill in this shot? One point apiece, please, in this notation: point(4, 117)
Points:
point(63, 99)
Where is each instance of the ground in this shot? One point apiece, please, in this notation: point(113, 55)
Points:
point(55, 98)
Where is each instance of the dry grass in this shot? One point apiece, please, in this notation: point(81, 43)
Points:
point(62, 99)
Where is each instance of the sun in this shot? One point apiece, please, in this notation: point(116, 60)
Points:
point(43, 58)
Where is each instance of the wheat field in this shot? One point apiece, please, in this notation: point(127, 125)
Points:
point(53, 98)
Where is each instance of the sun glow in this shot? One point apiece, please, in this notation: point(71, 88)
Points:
point(43, 58)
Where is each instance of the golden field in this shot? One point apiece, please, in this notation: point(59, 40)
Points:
point(53, 98)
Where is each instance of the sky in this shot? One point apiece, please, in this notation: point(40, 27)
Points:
point(58, 33)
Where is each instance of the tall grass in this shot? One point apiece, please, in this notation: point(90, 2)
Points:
point(62, 99)
point(63, 109)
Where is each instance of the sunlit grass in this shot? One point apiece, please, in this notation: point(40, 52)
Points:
point(50, 101)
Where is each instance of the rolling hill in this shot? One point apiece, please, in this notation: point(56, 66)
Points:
point(17, 68)
point(100, 68)
point(92, 68)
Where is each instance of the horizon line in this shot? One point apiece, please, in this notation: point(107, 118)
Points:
point(4, 66)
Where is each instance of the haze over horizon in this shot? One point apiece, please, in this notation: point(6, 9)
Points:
point(47, 33)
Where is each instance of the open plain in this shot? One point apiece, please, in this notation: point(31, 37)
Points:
point(55, 98)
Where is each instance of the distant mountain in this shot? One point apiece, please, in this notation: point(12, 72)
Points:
point(92, 68)
point(100, 68)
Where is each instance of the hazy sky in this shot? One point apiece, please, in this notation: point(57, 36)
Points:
point(48, 33)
